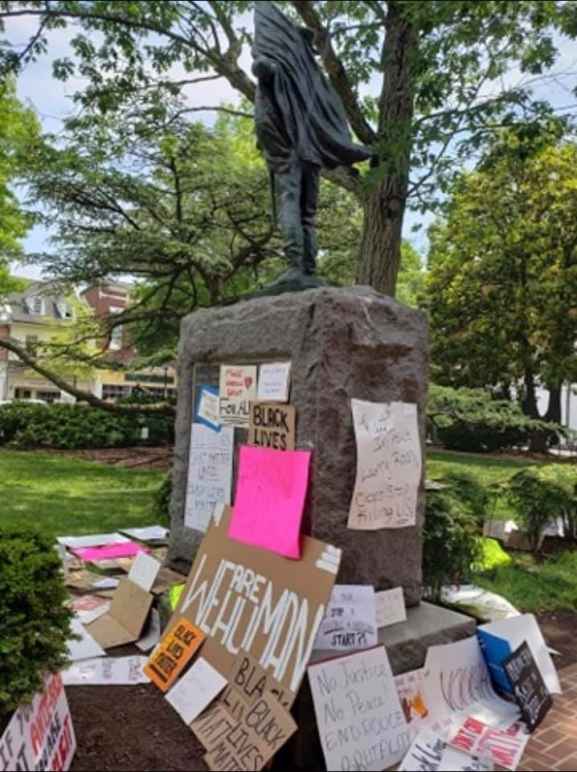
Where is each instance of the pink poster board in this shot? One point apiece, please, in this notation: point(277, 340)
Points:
point(270, 499)
point(110, 551)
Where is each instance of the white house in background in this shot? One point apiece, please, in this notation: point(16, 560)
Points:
point(568, 405)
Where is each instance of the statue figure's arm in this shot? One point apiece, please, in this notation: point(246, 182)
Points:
point(264, 68)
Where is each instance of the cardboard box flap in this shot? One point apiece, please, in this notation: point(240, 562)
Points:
point(130, 607)
point(109, 633)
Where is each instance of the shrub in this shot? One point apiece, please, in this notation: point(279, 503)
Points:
point(541, 494)
point(34, 622)
point(72, 427)
point(452, 543)
point(161, 502)
point(471, 420)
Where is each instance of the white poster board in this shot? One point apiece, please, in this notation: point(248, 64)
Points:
point(209, 474)
point(237, 391)
point(40, 736)
point(106, 671)
point(350, 619)
point(391, 608)
point(274, 382)
point(360, 720)
point(389, 466)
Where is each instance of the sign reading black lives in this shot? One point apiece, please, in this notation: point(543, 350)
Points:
point(528, 686)
point(272, 426)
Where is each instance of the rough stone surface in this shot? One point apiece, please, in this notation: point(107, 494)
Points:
point(343, 344)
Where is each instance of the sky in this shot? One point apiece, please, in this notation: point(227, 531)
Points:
point(52, 100)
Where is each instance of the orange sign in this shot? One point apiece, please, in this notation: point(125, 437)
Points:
point(173, 654)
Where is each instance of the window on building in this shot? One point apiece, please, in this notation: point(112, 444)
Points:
point(116, 335)
point(64, 310)
point(22, 393)
point(114, 392)
point(32, 343)
point(35, 305)
point(48, 396)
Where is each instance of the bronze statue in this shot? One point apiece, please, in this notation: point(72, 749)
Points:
point(301, 128)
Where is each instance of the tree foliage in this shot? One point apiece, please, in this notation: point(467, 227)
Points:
point(434, 70)
point(503, 274)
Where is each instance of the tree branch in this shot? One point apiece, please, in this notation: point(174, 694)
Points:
point(82, 396)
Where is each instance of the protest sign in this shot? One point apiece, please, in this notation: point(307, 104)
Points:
point(350, 619)
point(151, 533)
point(127, 616)
point(95, 540)
point(173, 654)
point(251, 599)
point(40, 735)
point(272, 426)
point(237, 391)
point(209, 481)
point(457, 679)
point(211, 727)
point(528, 686)
point(195, 690)
point(389, 466)
point(500, 639)
point(151, 635)
point(251, 681)
point(128, 549)
point(504, 748)
point(360, 720)
point(430, 753)
point(144, 571)
point(411, 691)
point(253, 739)
point(270, 499)
point(391, 607)
point(82, 645)
point(106, 671)
point(273, 382)
point(208, 408)
point(89, 607)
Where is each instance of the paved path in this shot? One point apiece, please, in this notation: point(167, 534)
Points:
point(554, 745)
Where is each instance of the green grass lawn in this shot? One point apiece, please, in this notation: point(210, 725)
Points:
point(68, 496)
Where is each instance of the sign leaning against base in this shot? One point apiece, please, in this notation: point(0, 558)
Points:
point(243, 597)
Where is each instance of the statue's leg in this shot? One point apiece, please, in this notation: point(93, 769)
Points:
point(288, 192)
point(309, 205)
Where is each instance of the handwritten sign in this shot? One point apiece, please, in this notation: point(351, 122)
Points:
point(528, 686)
point(391, 607)
point(411, 691)
point(389, 466)
point(208, 410)
point(237, 391)
point(350, 621)
point(195, 690)
point(209, 474)
point(246, 598)
point(359, 716)
point(106, 671)
point(264, 728)
point(505, 748)
point(430, 753)
point(272, 426)
point(144, 571)
point(274, 382)
point(270, 499)
point(173, 654)
point(40, 735)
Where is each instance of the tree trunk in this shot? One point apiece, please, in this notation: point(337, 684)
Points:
point(554, 410)
point(529, 404)
point(386, 199)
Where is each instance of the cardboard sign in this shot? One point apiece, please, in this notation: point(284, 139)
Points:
point(195, 690)
point(82, 645)
point(253, 740)
point(272, 426)
point(106, 671)
point(151, 635)
point(212, 726)
point(389, 466)
point(504, 748)
point(350, 619)
point(391, 607)
point(500, 639)
point(274, 382)
point(208, 409)
point(430, 753)
point(250, 599)
point(144, 571)
point(237, 391)
point(360, 720)
point(270, 499)
point(528, 686)
point(40, 735)
point(127, 616)
point(173, 654)
point(210, 463)
point(252, 681)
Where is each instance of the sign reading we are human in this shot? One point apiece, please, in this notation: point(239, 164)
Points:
point(40, 736)
point(389, 466)
point(242, 597)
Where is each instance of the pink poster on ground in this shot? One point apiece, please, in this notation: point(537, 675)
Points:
point(270, 499)
point(110, 552)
